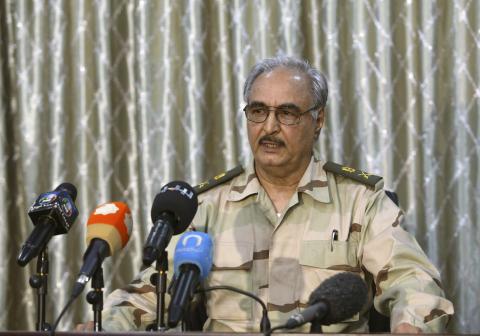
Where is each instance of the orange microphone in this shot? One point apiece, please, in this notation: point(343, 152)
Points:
point(108, 230)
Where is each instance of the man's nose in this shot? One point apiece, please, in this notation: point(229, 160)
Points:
point(271, 124)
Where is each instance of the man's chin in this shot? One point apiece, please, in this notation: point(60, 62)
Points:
point(270, 161)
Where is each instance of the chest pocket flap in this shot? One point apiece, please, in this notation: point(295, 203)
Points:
point(232, 255)
point(327, 254)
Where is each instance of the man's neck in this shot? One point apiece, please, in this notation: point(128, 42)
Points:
point(280, 184)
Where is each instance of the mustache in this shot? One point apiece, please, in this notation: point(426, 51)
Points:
point(271, 138)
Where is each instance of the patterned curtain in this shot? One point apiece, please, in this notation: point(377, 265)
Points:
point(120, 97)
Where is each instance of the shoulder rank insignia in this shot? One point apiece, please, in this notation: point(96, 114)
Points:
point(376, 182)
point(217, 180)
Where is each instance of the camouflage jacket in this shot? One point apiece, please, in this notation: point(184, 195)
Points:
point(334, 223)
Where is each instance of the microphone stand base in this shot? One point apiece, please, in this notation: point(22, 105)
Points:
point(95, 298)
point(159, 279)
point(154, 327)
point(316, 328)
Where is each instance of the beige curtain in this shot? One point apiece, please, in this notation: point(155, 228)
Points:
point(120, 97)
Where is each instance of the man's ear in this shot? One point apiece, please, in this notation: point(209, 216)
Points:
point(319, 122)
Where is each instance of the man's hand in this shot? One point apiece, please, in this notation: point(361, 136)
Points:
point(85, 326)
point(406, 328)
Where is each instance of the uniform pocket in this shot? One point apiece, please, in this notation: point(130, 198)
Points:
point(335, 255)
point(319, 260)
point(232, 256)
point(232, 263)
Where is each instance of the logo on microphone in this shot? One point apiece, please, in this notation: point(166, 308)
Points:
point(184, 191)
point(106, 209)
point(194, 248)
point(66, 206)
point(186, 238)
point(47, 198)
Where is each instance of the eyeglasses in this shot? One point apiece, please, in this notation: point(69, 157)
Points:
point(284, 115)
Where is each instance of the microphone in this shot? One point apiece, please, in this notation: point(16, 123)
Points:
point(52, 213)
point(192, 263)
point(108, 230)
point(336, 299)
point(172, 211)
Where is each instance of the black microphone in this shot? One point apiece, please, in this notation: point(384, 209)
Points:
point(52, 213)
point(336, 299)
point(172, 211)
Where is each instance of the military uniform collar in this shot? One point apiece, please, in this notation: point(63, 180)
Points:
point(247, 184)
point(313, 183)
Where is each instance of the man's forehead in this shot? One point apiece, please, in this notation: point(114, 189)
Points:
point(281, 85)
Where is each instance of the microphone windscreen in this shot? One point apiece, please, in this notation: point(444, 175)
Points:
point(111, 222)
point(345, 293)
point(194, 248)
point(69, 189)
point(179, 199)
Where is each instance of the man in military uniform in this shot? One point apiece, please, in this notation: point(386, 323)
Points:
point(290, 221)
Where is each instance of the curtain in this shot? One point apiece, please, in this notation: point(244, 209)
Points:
point(120, 97)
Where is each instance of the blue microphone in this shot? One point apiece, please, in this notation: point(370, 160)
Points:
point(192, 263)
point(52, 213)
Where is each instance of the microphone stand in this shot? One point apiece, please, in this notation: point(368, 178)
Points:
point(95, 298)
point(159, 279)
point(40, 282)
point(315, 327)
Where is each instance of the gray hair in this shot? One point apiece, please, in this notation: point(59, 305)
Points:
point(318, 81)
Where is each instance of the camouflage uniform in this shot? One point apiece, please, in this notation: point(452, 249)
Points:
point(332, 224)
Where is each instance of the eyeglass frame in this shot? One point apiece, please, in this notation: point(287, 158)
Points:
point(276, 108)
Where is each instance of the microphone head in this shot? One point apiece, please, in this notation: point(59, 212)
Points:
point(345, 293)
point(58, 204)
point(179, 199)
point(111, 222)
point(69, 189)
point(194, 248)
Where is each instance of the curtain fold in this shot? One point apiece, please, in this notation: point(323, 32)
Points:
point(121, 97)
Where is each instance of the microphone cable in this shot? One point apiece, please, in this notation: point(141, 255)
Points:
point(264, 322)
point(69, 303)
point(270, 331)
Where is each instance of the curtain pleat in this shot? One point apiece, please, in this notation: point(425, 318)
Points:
point(121, 97)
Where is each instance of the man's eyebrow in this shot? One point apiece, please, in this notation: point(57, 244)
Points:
point(289, 105)
point(257, 103)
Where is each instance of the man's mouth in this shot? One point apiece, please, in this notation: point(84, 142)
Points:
point(271, 143)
